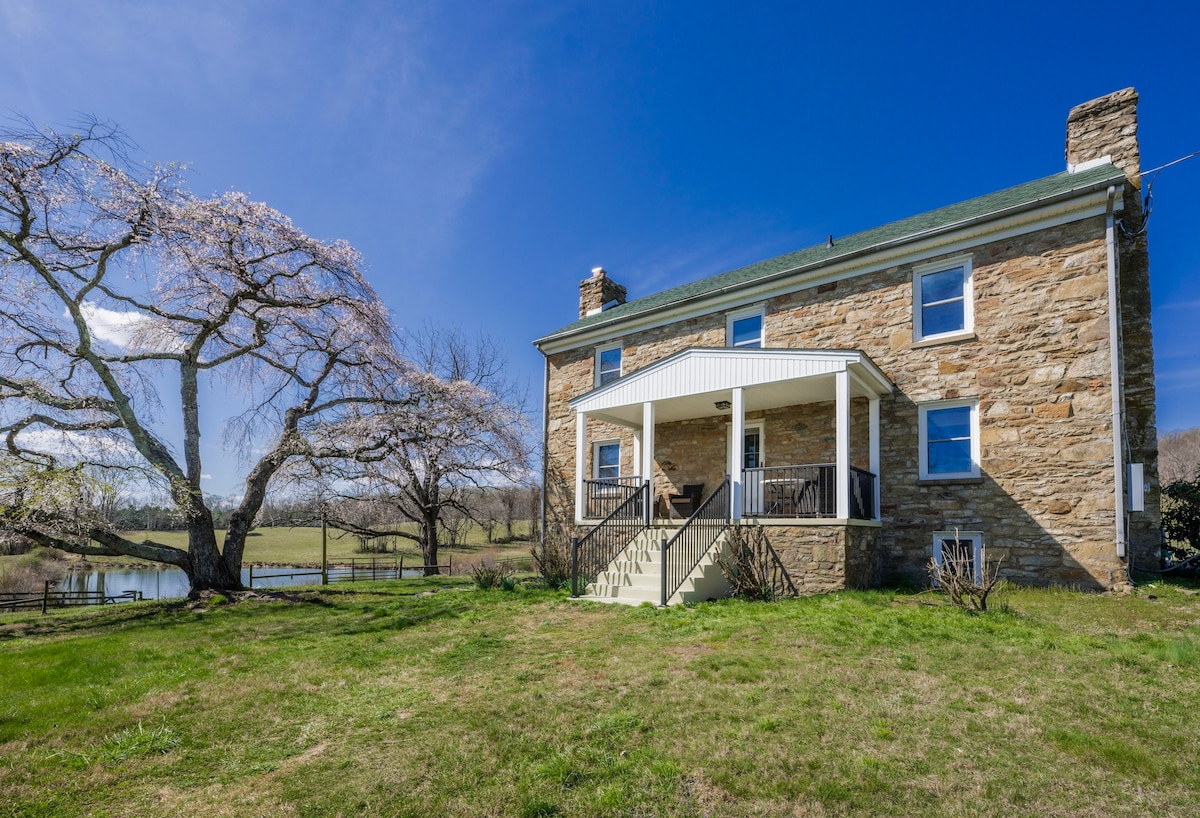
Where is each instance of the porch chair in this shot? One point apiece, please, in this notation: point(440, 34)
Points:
point(685, 504)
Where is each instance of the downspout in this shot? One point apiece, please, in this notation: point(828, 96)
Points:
point(1114, 338)
point(545, 439)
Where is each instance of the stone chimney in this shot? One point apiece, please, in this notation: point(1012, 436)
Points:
point(1106, 127)
point(597, 291)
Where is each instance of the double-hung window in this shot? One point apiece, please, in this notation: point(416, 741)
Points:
point(608, 364)
point(949, 439)
point(744, 328)
point(942, 307)
point(606, 461)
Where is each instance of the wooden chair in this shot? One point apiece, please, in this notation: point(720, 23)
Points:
point(685, 504)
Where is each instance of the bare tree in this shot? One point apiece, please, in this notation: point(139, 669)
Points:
point(1179, 456)
point(118, 281)
point(451, 448)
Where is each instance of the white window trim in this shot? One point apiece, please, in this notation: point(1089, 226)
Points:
point(923, 441)
point(973, 537)
point(596, 456)
point(759, 310)
point(919, 273)
point(608, 348)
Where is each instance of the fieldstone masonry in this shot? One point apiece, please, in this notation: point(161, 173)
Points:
point(1039, 365)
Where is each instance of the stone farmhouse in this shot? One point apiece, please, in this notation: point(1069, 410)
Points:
point(980, 375)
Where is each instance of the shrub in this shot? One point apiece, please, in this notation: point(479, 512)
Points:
point(28, 573)
point(1181, 518)
point(751, 566)
point(489, 574)
point(552, 560)
point(955, 575)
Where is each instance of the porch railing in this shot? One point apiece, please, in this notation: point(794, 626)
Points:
point(603, 495)
point(591, 553)
point(805, 491)
point(862, 494)
point(683, 552)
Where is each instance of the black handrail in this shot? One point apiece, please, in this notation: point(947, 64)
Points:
point(591, 553)
point(683, 552)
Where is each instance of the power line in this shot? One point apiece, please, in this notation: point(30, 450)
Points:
point(1148, 202)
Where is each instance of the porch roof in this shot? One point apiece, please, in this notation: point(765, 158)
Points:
point(687, 384)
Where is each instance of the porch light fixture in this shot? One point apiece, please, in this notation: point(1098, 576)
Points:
point(723, 405)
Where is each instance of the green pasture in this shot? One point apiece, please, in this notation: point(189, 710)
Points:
point(429, 697)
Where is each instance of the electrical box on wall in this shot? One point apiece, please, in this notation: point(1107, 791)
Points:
point(1137, 487)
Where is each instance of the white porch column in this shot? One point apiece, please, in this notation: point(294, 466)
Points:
point(843, 443)
point(739, 443)
point(647, 452)
point(873, 406)
point(580, 461)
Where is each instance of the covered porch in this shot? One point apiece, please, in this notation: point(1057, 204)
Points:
point(797, 433)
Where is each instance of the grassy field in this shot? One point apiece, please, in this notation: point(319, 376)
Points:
point(298, 546)
point(391, 700)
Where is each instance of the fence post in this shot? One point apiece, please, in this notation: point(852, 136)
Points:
point(664, 572)
point(574, 566)
point(45, 596)
point(252, 577)
point(450, 564)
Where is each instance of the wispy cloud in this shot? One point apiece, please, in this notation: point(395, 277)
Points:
point(113, 327)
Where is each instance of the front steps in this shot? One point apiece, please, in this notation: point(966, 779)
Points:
point(635, 576)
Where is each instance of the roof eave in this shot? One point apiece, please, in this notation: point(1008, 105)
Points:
point(962, 224)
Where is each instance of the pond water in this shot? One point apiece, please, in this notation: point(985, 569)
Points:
point(171, 582)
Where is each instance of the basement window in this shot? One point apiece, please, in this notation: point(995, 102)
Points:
point(966, 545)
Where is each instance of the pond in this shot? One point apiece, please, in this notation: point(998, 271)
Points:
point(171, 582)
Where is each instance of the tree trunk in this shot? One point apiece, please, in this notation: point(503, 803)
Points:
point(208, 571)
point(429, 544)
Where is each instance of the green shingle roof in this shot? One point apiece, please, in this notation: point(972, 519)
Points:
point(1059, 186)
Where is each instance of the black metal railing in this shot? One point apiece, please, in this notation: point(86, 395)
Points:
point(805, 491)
point(603, 495)
point(683, 552)
point(862, 494)
point(591, 553)
point(790, 491)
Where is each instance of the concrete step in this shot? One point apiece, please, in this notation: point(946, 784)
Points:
point(635, 575)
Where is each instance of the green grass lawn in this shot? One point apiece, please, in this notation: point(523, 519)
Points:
point(302, 545)
point(390, 700)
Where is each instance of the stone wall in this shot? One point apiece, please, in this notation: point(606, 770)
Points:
point(1038, 365)
point(820, 559)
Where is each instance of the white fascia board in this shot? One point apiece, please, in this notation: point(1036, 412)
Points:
point(910, 250)
point(620, 393)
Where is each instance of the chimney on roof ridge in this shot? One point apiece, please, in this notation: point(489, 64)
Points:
point(1105, 129)
point(597, 291)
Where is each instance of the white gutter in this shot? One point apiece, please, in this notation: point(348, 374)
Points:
point(1114, 339)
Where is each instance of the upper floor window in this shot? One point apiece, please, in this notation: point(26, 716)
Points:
point(942, 300)
point(606, 461)
point(744, 328)
point(608, 364)
point(949, 439)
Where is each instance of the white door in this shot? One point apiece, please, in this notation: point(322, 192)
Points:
point(751, 453)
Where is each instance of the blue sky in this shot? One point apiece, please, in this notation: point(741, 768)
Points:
point(484, 156)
